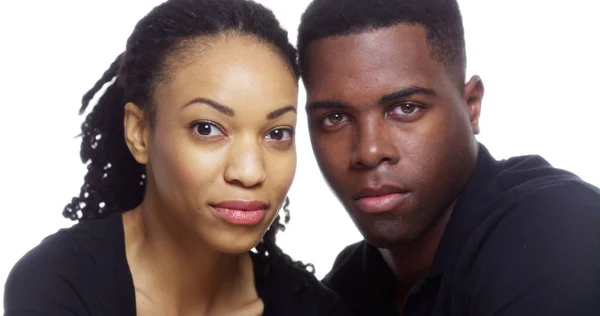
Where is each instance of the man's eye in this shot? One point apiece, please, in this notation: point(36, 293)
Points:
point(334, 119)
point(406, 109)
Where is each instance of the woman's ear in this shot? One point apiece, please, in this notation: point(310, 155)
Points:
point(136, 132)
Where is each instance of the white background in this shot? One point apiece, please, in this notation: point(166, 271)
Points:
point(539, 60)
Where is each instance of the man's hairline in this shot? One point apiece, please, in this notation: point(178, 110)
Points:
point(372, 29)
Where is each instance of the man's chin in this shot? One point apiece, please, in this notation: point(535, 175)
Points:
point(390, 239)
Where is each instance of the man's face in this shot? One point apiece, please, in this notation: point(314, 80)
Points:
point(392, 130)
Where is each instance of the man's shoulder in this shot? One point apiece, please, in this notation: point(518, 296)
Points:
point(542, 242)
point(551, 208)
point(526, 197)
point(349, 261)
point(529, 184)
point(361, 278)
point(359, 268)
point(291, 289)
point(529, 174)
point(500, 187)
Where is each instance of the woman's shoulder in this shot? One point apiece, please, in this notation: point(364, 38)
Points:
point(64, 272)
point(290, 289)
point(70, 247)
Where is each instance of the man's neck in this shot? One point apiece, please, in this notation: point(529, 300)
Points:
point(410, 262)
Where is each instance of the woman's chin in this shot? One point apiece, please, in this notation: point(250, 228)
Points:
point(235, 245)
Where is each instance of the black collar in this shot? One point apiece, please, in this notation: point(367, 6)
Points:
point(465, 217)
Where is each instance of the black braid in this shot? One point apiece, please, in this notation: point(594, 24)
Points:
point(268, 246)
point(108, 75)
point(115, 182)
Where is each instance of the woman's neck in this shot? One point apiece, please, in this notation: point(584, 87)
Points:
point(175, 272)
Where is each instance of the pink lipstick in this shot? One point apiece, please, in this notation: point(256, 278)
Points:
point(241, 212)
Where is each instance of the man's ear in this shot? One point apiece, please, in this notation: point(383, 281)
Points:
point(136, 132)
point(473, 95)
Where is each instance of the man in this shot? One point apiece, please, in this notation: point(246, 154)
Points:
point(448, 230)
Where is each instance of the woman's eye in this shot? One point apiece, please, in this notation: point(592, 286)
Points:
point(406, 109)
point(334, 119)
point(205, 129)
point(281, 134)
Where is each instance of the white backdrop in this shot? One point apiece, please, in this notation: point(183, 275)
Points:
point(539, 60)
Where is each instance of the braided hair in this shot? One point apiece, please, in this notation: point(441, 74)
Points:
point(115, 182)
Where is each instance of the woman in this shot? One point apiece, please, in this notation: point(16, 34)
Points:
point(190, 154)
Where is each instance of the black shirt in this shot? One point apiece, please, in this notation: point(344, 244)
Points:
point(523, 239)
point(83, 270)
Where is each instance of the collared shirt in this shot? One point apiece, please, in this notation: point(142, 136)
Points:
point(523, 239)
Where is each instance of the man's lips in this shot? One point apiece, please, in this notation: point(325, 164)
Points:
point(379, 199)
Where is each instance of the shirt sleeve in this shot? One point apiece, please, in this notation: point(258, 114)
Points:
point(45, 282)
point(542, 258)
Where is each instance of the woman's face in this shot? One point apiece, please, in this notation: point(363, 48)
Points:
point(221, 153)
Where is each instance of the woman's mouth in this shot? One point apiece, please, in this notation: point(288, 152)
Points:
point(240, 212)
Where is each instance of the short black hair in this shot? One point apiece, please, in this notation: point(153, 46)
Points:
point(115, 182)
point(441, 19)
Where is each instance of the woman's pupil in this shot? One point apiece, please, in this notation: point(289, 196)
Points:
point(204, 129)
point(276, 134)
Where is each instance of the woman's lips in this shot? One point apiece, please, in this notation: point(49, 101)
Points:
point(241, 212)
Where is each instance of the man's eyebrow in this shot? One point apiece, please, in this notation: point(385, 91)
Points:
point(318, 105)
point(407, 92)
point(402, 93)
point(279, 112)
point(213, 104)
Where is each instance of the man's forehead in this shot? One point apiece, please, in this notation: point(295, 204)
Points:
point(399, 54)
point(399, 36)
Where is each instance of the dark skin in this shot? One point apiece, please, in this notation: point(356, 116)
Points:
point(393, 130)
